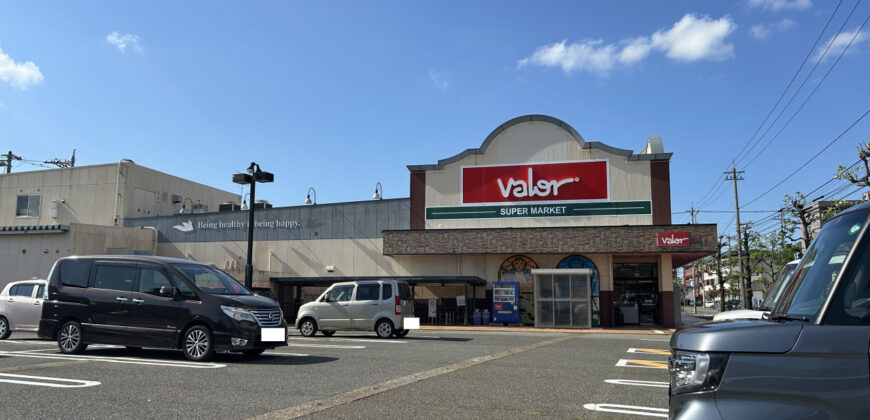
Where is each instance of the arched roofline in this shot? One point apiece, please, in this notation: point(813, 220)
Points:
point(628, 154)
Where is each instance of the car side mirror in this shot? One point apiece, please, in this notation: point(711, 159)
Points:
point(168, 291)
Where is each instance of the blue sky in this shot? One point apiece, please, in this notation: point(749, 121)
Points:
point(341, 95)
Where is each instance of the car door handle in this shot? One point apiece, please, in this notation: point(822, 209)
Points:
point(375, 304)
point(121, 299)
point(11, 300)
point(37, 303)
point(343, 304)
point(138, 300)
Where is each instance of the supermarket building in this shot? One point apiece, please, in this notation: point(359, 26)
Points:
point(581, 230)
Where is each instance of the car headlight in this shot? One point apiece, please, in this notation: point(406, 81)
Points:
point(239, 314)
point(691, 371)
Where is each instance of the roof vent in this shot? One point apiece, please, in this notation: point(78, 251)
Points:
point(653, 146)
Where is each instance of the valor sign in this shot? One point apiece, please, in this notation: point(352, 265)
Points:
point(673, 239)
point(540, 182)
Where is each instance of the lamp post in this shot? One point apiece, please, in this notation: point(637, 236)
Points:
point(376, 195)
point(253, 176)
point(308, 196)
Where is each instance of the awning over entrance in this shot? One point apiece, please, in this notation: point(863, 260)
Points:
point(693, 240)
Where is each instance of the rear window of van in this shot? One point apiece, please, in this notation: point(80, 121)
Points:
point(75, 273)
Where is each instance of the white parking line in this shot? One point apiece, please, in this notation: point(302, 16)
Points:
point(628, 409)
point(371, 340)
point(650, 351)
point(654, 384)
point(124, 360)
point(325, 346)
point(653, 339)
point(46, 381)
point(37, 342)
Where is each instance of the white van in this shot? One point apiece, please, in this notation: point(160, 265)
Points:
point(382, 306)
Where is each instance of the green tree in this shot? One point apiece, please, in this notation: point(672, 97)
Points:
point(860, 174)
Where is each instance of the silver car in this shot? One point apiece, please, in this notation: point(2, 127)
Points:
point(808, 359)
point(21, 306)
point(375, 305)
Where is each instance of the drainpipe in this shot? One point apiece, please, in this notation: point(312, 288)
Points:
point(118, 191)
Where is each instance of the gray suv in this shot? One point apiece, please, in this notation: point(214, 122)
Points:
point(808, 359)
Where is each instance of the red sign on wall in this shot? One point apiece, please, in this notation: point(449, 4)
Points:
point(673, 239)
point(541, 182)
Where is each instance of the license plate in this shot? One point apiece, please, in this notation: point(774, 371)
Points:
point(273, 334)
point(411, 323)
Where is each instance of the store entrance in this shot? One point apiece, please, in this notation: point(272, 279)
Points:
point(636, 293)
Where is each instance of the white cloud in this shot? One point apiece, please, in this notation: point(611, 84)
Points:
point(691, 38)
point(121, 42)
point(440, 78)
point(762, 31)
point(777, 5)
point(20, 75)
point(840, 43)
point(697, 38)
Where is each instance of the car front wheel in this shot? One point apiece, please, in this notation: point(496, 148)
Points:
point(70, 339)
point(308, 327)
point(198, 344)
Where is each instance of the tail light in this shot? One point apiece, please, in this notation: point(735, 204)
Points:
point(398, 306)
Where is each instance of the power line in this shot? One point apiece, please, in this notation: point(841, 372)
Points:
point(818, 85)
point(793, 78)
point(811, 159)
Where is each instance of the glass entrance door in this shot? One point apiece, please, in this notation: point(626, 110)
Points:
point(636, 293)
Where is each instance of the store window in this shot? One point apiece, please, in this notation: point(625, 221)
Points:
point(28, 206)
point(579, 261)
point(519, 269)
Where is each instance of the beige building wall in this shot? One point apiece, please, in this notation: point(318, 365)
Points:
point(26, 256)
point(99, 194)
point(536, 141)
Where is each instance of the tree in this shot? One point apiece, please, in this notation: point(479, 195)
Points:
point(797, 217)
point(853, 175)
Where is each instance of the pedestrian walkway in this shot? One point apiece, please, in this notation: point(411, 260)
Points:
point(493, 328)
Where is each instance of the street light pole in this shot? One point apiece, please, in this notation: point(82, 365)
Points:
point(253, 176)
point(249, 269)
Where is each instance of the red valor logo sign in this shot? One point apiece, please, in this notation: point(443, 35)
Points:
point(541, 182)
point(673, 239)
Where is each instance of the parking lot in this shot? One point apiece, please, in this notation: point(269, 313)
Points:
point(470, 374)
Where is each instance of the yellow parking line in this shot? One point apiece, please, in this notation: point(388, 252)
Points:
point(641, 363)
point(649, 351)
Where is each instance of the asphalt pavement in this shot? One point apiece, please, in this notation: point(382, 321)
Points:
point(444, 373)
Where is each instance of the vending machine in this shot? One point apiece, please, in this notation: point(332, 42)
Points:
point(505, 302)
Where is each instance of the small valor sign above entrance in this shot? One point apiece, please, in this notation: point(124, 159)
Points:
point(673, 239)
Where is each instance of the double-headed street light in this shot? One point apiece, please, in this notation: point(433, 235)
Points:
point(253, 176)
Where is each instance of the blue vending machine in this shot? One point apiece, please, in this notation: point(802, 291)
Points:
point(505, 302)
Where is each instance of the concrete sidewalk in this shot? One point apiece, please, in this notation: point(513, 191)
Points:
point(653, 330)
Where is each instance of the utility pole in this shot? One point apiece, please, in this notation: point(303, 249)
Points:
point(8, 161)
point(735, 175)
point(694, 212)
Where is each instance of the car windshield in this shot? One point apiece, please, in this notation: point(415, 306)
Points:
point(211, 280)
point(818, 270)
point(777, 287)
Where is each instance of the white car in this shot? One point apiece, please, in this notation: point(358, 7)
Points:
point(383, 306)
point(21, 306)
point(773, 295)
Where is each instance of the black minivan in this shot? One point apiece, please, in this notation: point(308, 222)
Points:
point(143, 301)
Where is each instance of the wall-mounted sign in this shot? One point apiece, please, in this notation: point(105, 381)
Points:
point(560, 182)
point(673, 239)
point(608, 208)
